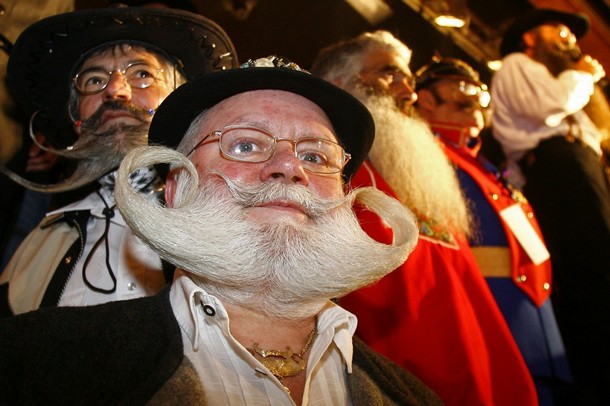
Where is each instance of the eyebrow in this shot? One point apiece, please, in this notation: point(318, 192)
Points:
point(266, 125)
point(129, 62)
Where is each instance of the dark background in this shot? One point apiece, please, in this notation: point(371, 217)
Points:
point(297, 29)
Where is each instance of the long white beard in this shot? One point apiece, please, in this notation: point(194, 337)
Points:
point(283, 269)
point(413, 163)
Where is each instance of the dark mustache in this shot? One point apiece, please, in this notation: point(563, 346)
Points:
point(95, 121)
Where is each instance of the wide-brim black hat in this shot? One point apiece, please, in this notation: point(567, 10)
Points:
point(352, 122)
point(578, 23)
point(42, 60)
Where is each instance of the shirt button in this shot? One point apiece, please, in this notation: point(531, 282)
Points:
point(546, 286)
point(209, 310)
point(131, 286)
point(521, 278)
point(494, 196)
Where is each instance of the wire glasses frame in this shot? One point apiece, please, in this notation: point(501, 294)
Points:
point(254, 145)
point(139, 75)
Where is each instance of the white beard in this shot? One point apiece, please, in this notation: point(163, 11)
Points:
point(413, 163)
point(283, 269)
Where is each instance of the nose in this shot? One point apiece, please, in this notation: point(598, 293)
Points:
point(284, 166)
point(117, 88)
point(406, 89)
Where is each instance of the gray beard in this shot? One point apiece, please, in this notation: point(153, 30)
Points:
point(96, 155)
point(284, 269)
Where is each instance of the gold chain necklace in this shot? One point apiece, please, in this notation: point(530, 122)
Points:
point(282, 363)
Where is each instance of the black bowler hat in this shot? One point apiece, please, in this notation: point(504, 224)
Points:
point(352, 122)
point(44, 57)
point(577, 23)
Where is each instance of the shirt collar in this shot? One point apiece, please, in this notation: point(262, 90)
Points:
point(333, 322)
point(94, 203)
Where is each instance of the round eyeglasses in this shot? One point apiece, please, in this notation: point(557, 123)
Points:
point(471, 90)
point(139, 75)
point(251, 144)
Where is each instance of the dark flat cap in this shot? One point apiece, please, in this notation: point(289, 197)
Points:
point(576, 22)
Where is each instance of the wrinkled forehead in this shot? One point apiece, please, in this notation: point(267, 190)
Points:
point(554, 27)
point(383, 58)
point(276, 111)
point(107, 54)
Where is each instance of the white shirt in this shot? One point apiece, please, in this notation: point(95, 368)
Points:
point(530, 105)
point(230, 375)
point(136, 267)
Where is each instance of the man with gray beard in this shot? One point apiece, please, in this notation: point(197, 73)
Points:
point(261, 227)
point(92, 81)
point(434, 315)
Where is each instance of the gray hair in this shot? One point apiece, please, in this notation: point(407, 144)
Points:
point(191, 136)
point(344, 60)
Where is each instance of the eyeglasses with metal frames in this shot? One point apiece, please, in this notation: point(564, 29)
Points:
point(139, 75)
point(251, 144)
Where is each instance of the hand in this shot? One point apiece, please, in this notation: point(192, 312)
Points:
point(38, 159)
point(591, 65)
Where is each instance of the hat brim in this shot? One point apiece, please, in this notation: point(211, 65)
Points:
point(43, 57)
point(578, 23)
point(351, 120)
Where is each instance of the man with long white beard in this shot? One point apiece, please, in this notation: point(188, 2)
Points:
point(263, 234)
point(92, 81)
point(434, 315)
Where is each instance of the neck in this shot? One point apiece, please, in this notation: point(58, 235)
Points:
point(250, 328)
point(457, 135)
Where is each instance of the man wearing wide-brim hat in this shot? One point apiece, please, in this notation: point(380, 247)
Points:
point(91, 81)
point(549, 121)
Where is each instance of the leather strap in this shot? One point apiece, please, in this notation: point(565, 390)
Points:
point(77, 219)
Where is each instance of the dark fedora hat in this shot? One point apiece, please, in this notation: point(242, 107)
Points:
point(351, 120)
point(44, 56)
point(511, 42)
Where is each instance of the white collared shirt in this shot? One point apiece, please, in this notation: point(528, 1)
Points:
point(136, 267)
point(230, 375)
point(530, 105)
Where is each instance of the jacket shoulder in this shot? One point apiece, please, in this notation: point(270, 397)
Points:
point(115, 352)
point(375, 380)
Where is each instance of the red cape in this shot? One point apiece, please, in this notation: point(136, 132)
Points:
point(436, 317)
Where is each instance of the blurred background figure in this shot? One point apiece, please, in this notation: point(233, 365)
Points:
point(17, 219)
point(550, 123)
point(435, 314)
point(506, 243)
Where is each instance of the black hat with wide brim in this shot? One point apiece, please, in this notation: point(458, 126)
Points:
point(578, 23)
point(352, 122)
point(42, 61)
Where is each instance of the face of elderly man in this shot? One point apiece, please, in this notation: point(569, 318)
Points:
point(285, 115)
point(137, 84)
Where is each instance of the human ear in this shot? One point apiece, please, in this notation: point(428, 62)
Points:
point(170, 187)
point(529, 39)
